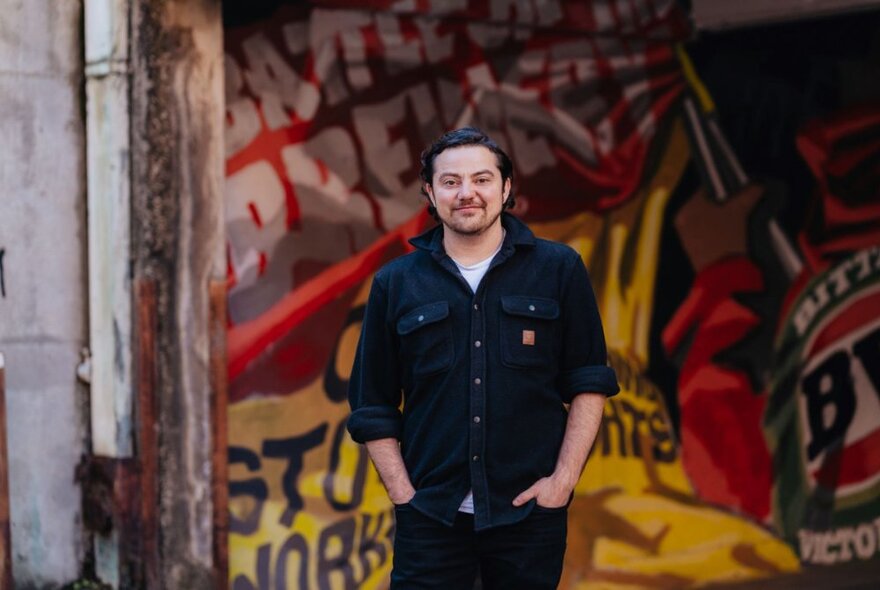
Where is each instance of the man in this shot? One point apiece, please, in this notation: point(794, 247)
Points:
point(484, 333)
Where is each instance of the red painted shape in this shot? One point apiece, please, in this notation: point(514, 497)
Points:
point(255, 214)
point(249, 339)
point(721, 414)
point(323, 171)
point(231, 279)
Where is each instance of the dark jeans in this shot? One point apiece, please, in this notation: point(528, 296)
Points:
point(527, 555)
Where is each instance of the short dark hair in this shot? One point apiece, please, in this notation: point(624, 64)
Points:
point(459, 138)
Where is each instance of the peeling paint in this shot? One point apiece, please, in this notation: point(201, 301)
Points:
point(177, 182)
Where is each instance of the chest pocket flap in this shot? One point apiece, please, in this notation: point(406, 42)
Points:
point(422, 316)
point(530, 307)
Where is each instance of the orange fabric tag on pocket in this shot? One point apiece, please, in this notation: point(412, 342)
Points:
point(529, 337)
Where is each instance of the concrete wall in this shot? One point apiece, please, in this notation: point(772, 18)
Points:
point(43, 317)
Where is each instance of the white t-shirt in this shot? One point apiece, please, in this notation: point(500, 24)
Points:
point(473, 274)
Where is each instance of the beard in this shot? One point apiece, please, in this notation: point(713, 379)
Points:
point(473, 222)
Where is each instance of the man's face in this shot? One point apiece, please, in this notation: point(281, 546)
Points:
point(467, 189)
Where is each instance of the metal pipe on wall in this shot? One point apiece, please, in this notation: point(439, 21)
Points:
point(109, 188)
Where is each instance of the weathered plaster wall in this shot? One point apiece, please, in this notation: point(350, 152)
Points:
point(43, 317)
point(177, 183)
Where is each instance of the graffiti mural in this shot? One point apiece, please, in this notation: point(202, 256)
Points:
point(823, 414)
point(757, 454)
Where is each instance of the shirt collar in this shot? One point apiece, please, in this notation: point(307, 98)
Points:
point(518, 234)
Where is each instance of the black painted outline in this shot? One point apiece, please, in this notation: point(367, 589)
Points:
point(2, 282)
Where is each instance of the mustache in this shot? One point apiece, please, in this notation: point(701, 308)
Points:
point(470, 203)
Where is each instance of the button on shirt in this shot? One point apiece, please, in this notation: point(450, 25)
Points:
point(487, 418)
point(473, 274)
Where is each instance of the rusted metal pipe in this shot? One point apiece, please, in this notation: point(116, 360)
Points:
point(147, 427)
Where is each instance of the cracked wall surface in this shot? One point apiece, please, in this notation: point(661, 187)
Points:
point(43, 300)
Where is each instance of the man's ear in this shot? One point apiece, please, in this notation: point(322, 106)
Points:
point(430, 192)
point(506, 192)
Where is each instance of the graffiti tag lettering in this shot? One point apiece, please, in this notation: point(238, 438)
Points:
point(625, 421)
point(292, 449)
point(837, 285)
point(840, 545)
point(840, 395)
point(347, 552)
point(836, 389)
point(339, 554)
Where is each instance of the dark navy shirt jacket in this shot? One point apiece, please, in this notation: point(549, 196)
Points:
point(482, 376)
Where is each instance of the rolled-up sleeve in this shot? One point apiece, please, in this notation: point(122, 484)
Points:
point(583, 366)
point(374, 387)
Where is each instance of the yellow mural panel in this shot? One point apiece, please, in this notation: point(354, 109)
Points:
point(341, 535)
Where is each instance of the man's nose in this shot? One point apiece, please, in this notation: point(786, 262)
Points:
point(466, 190)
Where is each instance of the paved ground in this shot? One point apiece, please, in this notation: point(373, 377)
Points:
point(852, 576)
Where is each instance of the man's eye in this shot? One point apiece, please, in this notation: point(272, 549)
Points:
point(482, 180)
point(449, 182)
